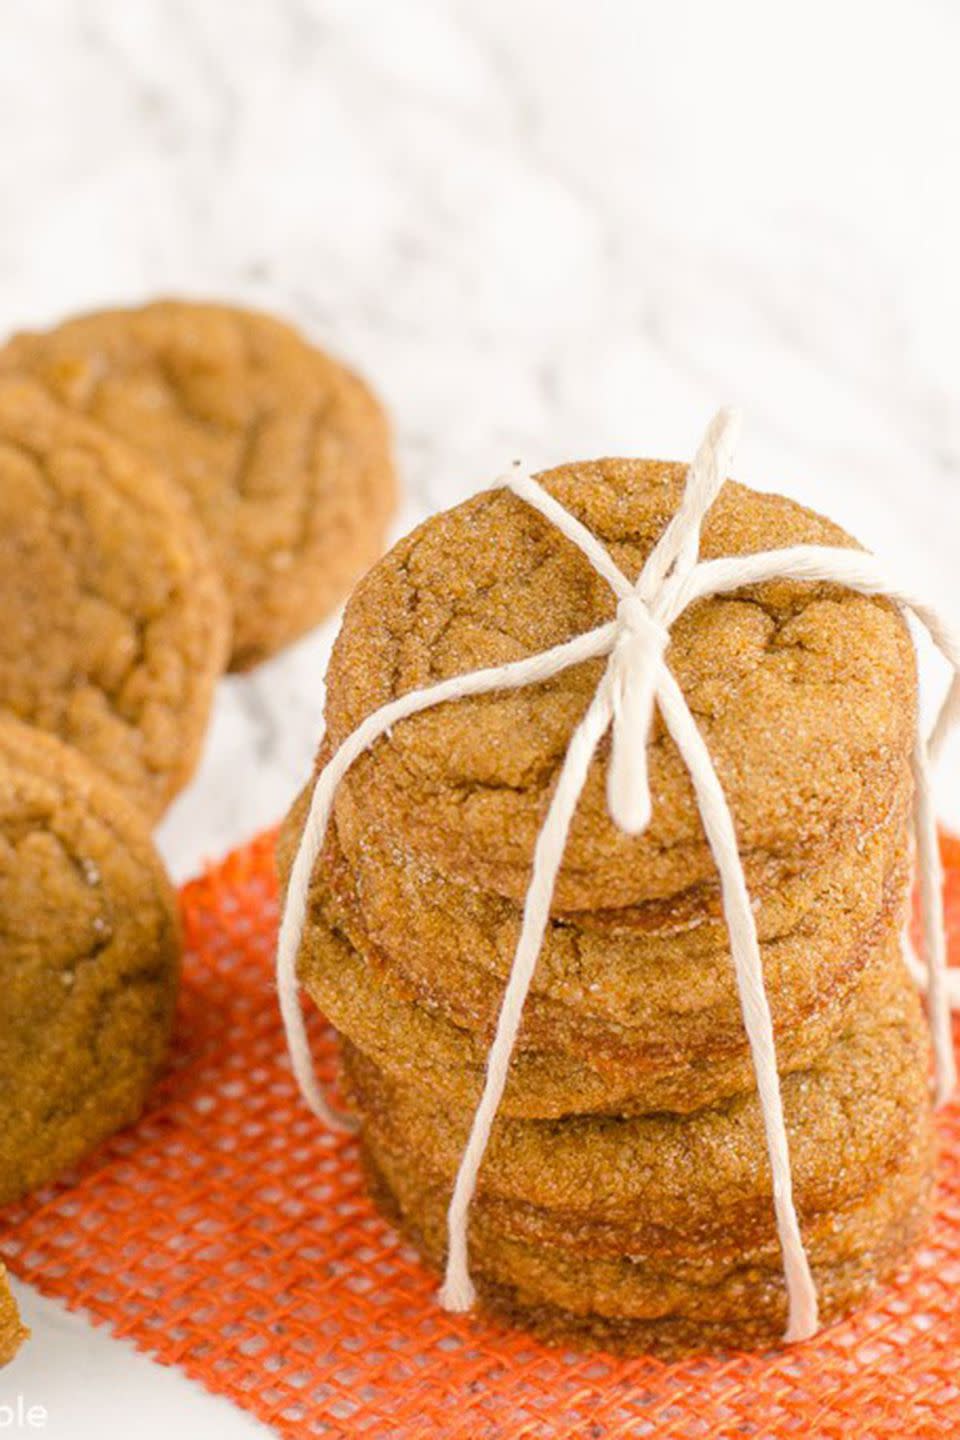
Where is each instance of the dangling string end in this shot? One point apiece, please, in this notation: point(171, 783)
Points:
point(457, 1294)
point(934, 926)
point(804, 1322)
point(724, 433)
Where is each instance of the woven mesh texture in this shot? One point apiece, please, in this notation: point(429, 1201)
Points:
point(228, 1234)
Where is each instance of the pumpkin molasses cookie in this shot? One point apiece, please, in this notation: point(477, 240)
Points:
point(667, 1185)
point(621, 988)
point(89, 959)
point(368, 1005)
point(805, 694)
point(283, 452)
point(652, 1233)
point(115, 624)
point(633, 1303)
point(12, 1332)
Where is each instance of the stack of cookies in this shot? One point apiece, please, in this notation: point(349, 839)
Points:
point(184, 488)
point(625, 1197)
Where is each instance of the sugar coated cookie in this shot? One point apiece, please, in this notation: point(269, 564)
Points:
point(89, 963)
point(283, 453)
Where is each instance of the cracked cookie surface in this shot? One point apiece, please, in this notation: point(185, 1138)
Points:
point(805, 693)
point(115, 623)
point(89, 959)
point(283, 452)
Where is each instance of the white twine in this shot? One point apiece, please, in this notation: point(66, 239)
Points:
point(637, 678)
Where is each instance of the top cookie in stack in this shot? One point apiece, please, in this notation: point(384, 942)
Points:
point(626, 1192)
point(805, 694)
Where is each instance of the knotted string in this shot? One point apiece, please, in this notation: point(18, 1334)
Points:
point(635, 680)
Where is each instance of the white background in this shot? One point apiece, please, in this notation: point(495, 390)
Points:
point(542, 228)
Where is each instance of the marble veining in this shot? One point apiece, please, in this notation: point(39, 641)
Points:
point(541, 230)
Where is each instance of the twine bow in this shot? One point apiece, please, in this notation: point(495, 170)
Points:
point(636, 679)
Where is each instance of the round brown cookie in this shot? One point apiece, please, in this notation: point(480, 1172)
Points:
point(115, 624)
point(676, 1337)
point(809, 974)
point(670, 1183)
point(785, 885)
point(12, 1331)
point(284, 453)
point(89, 959)
point(692, 1259)
point(759, 1321)
point(618, 990)
point(367, 1003)
point(848, 1251)
point(805, 694)
point(748, 1311)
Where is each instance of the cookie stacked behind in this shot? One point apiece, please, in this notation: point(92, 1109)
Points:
point(115, 621)
point(182, 486)
point(625, 1197)
point(282, 454)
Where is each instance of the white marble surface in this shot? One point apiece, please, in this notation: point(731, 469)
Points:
point(542, 229)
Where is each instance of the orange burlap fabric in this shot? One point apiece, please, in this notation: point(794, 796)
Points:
point(228, 1234)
